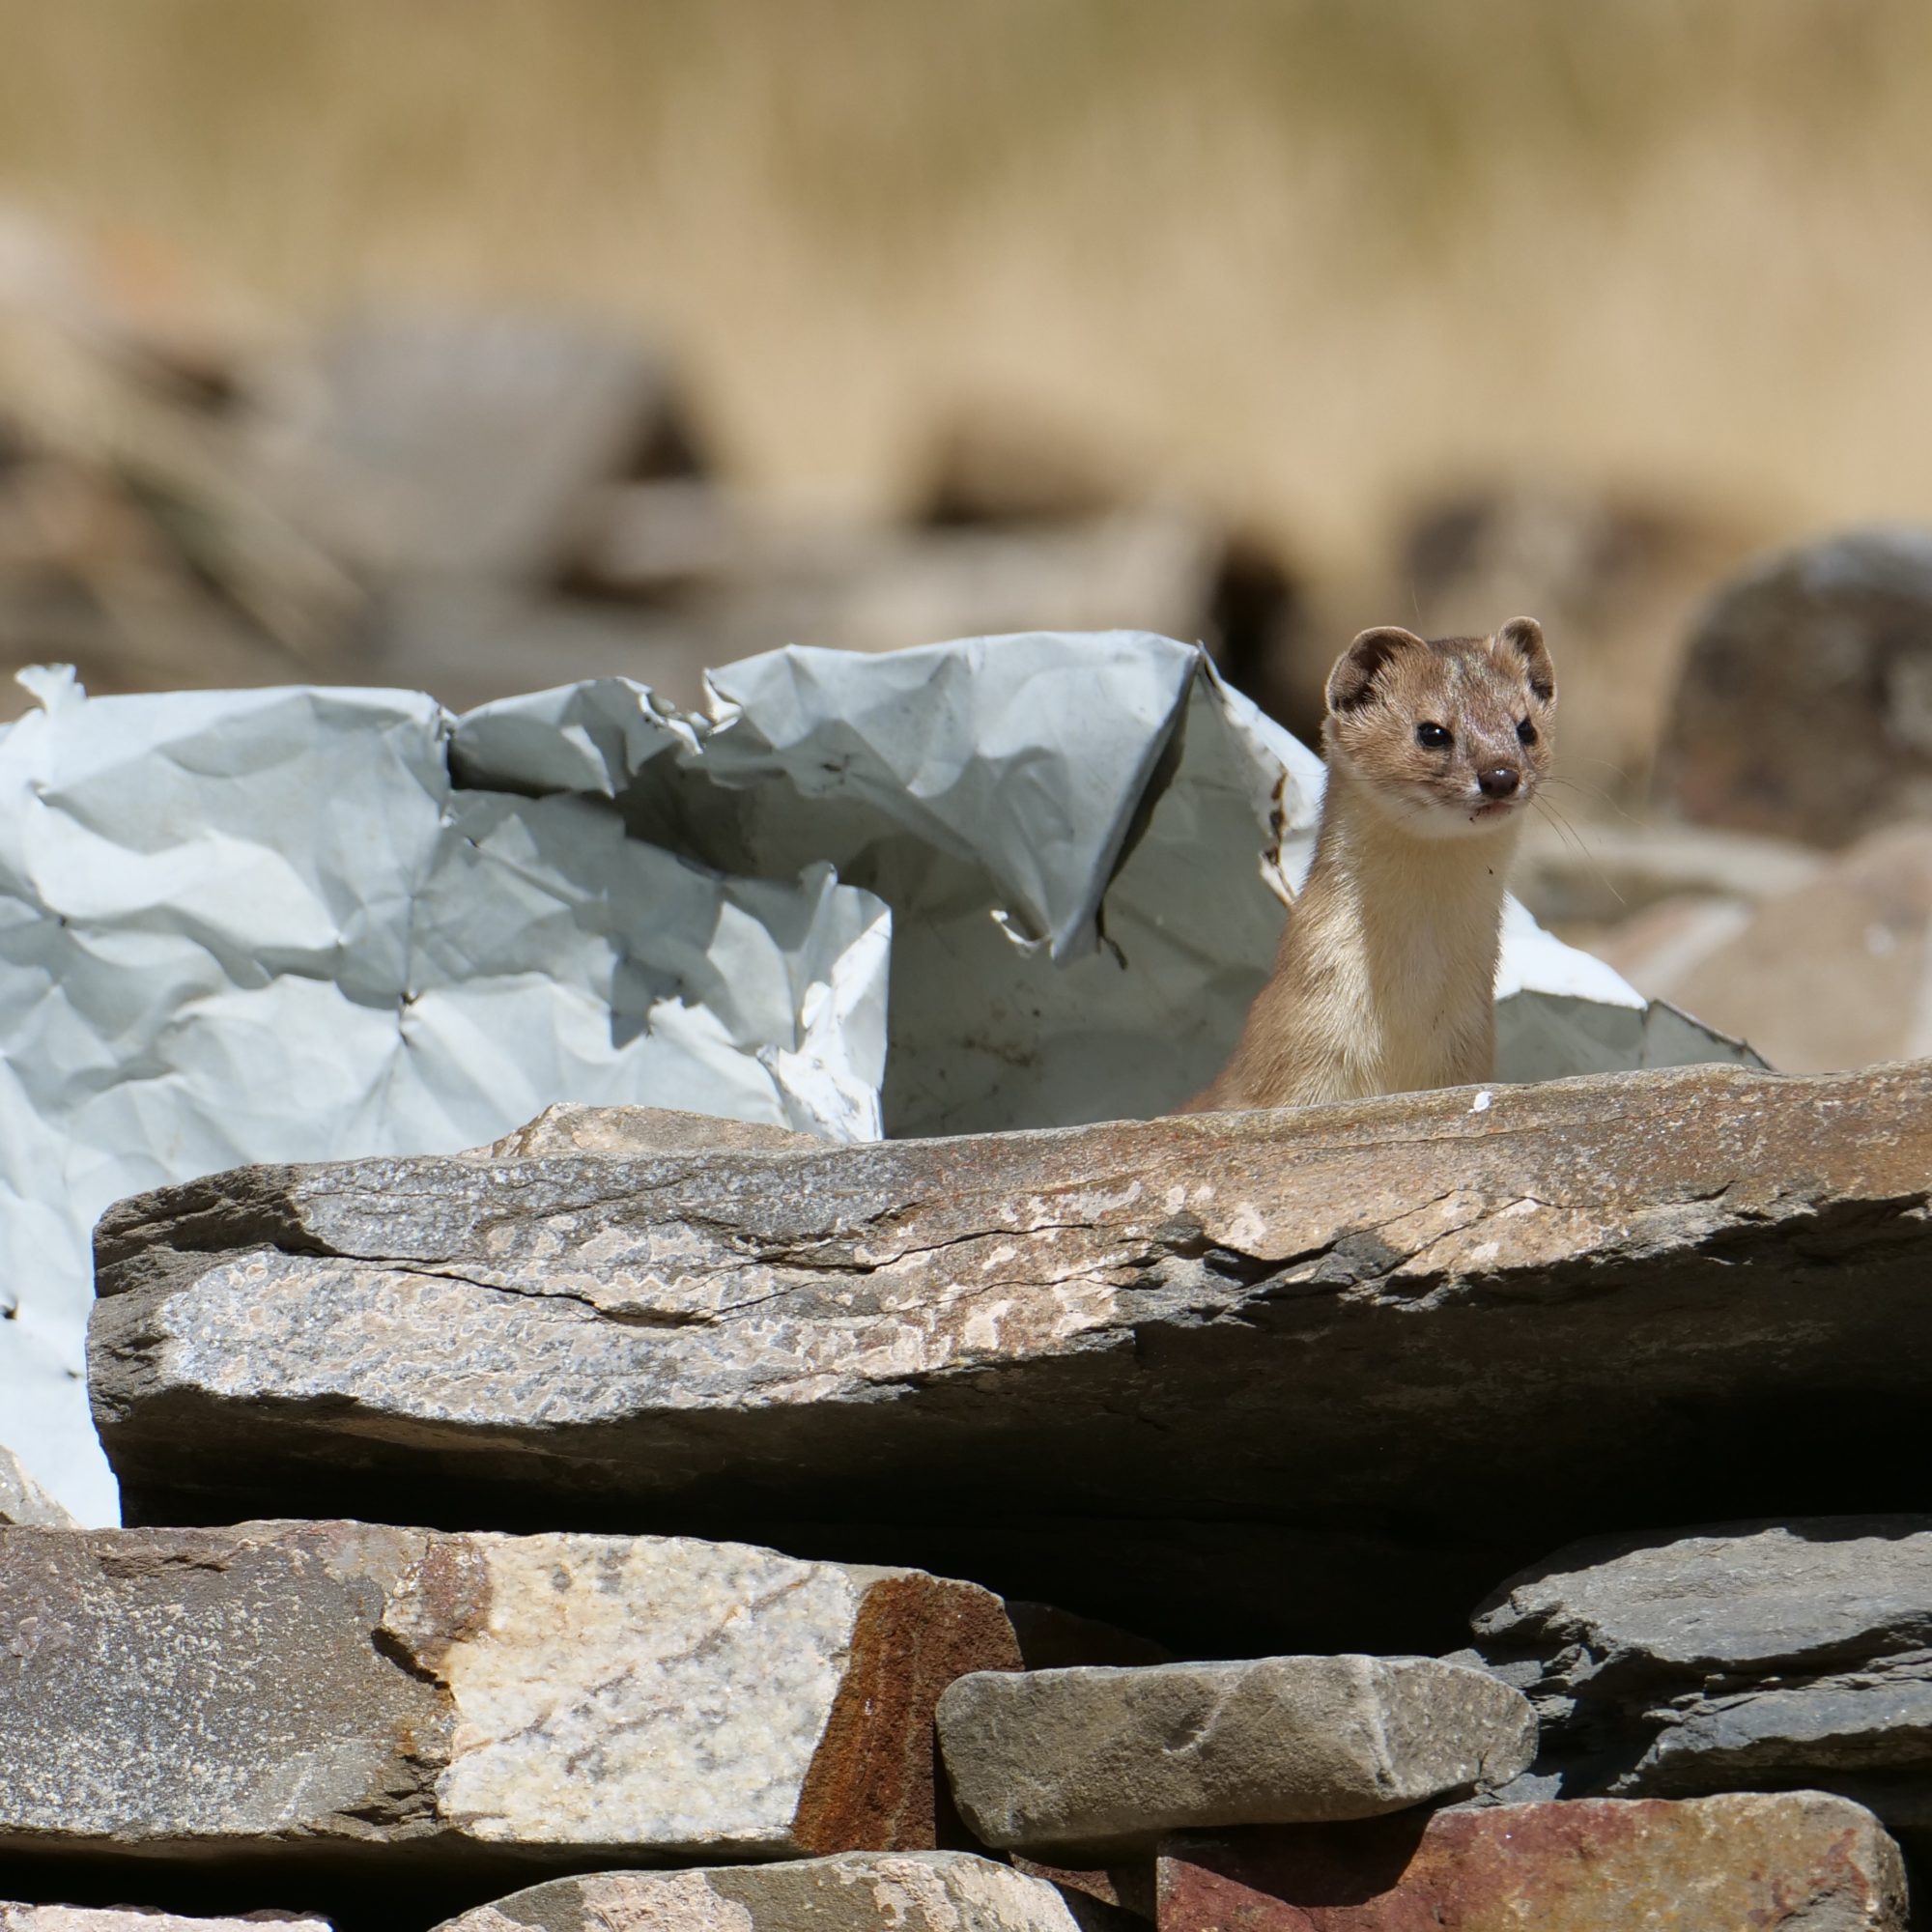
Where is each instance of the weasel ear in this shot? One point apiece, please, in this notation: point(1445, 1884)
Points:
point(1523, 637)
point(1353, 680)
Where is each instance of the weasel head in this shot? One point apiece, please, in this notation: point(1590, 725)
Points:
point(1449, 738)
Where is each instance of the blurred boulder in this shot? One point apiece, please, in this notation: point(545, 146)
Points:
point(1661, 944)
point(466, 442)
point(1804, 709)
point(994, 471)
point(747, 579)
point(990, 466)
point(1150, 569)
point(135, 538)
point(1613, 575)
point(469, 639)
point(1612, 872)
point(1830, 974)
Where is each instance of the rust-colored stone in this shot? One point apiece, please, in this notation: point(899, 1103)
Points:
point(872, 1785)
point(1741, 1863)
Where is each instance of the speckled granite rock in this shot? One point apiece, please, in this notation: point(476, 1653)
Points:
point(284, 1684)
point(860, 1891)
point(1466, 1304)
point(1795, 1862)
point(22, 1500)
point(1761, 1654)
point(1085, 1764)
point(144, 1918)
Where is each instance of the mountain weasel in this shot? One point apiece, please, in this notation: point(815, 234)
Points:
point(1384, 980)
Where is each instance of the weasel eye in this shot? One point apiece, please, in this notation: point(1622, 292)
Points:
point(1526, 733)
point(1435, 736)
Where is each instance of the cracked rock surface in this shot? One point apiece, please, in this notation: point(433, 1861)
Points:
point(142, 1918)
point(860, 1891)
point(1459, 1298)
point(1769, 1655)
point(279, 1684)
point(1794, 1862)
point(1088, 1765)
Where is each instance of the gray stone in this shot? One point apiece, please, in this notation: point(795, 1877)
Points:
point(22, 1500)
point(1090, 1764)
point(1761, 1598)
point(1760, 1655)
point(860, 1891)
point(1874, 1721)
point(1489, 1317)
point(1832, 973)
point(279, 1686)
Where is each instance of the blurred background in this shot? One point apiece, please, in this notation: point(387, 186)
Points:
point(481, 347)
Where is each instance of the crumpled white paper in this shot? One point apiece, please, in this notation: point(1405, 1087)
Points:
point(304, 925)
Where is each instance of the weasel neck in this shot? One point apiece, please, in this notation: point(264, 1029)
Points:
point(1417, 905)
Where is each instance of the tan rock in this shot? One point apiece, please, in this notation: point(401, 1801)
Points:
point(1798, 1861)
point(628, 1132)
point(282, 1684)
point(1657, 949)
point(1837, 972)
point(860, 1891)
point(1604, 872)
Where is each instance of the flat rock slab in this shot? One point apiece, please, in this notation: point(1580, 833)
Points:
point(1753, 1653)
point(1088, 1765)
point(860, 1891)
point(1799, 1861)
point(284, 1686)
point(1489, 1314)
point(144, 1918)
point(1757, 1598)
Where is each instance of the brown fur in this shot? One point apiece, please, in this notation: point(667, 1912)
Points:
point(1384, 979)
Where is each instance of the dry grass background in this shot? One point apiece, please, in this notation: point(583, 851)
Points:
point(1306, 256)
point(1303, 256)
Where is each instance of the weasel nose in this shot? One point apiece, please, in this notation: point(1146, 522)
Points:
point(1500, 780)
